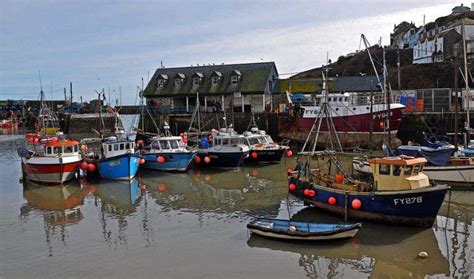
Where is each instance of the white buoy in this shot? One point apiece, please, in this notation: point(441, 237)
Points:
point(292, 228)
point(423, 255)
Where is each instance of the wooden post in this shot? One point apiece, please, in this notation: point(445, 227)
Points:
point(187, 104)
point(243, 101)
point(346, 206)
point(222, 103)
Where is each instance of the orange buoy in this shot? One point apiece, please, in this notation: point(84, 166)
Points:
point(91, 167)
point(332, 200)
point(143, 186)
point(160, 159)
point(311, 193)
point(356, 204)
point(254, 155)
point(289, 153)
point(207, 159)
point(197, 160)
point(83, 166)
point(339, 178)
point(162, 187)
point(292, 187)
point(142, 161)
point(306, 192)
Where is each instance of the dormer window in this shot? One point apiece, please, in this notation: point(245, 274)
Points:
point(215, 78)
point(179, 79)
point(162, 81)
point(197, 78)
point(235, 77)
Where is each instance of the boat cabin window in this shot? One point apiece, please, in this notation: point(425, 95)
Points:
point(416, 169)
point(68, 149)
point(269, 139)
point(116, 147)
point(127, 145)
point(49, 150)
point(397, 170)
point(76, 148)
point(57, 150)
point(164, 144)
point(234, 141)
point(384, 169)
point(408, 170)
point(122, 146)
point(110, 147)
point(253, 141)
point(174, 144)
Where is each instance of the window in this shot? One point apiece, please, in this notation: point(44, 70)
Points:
point(252, 141)
point(234, 79)
point(384, 169)
point(214, 81)
point(58, 150)
point(161, 83)
point(76, 148)
point(174, 144)
point(122, 146)
point(269, 139)
point(196, 81)
point(408, 170)
point(127, 146)
point(164, 144)
point(49, 150)
point(68, 149)
point(416, 169)
point(397, 170)
point(116, 147)
point(110, 147)
point(177, 82)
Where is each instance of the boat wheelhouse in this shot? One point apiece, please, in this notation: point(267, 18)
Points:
point(399, 193)
point(168, 153)
point(223, 149)
point(51, 161)
point(262, 147)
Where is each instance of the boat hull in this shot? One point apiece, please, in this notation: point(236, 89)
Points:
point(174, 161)
point(360, 121)
point(460, 176)
point(223, 159)
point(48, 173)
point(266, 155)
point(122, 167)
point(410, 207)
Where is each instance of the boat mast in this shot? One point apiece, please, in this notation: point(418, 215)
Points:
point(467, 94)
point(387, 95)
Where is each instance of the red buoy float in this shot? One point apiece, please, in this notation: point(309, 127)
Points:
point(356, 204)
point(91, 167)
point(207, 159)
point(311, 193)
point(289, 153)
point(292, 187)
point(160, 159)
point(84, 148)
point(83, 166)
point(306, 192)
point(142, 161)
point(332, 200)
point(143, 186)
point(197, 160)
point(254, 155)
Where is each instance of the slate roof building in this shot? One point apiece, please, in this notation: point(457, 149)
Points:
point(241, 87)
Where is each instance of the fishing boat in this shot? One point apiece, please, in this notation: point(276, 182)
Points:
point(399, 193)
point(295, 230)
point(49, 159)
point(262, 147)
point(167, 153)
point(223, 148)
point(442, 167)
point(113, 156)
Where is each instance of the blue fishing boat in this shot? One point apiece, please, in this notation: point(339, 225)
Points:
point(167, 153)
point(296, 230)
point(399, 193)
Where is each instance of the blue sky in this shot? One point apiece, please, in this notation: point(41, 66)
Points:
point(113, 44)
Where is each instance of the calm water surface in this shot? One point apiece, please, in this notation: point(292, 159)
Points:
point(193, 225)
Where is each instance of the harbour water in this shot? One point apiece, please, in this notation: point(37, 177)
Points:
point(193, 225)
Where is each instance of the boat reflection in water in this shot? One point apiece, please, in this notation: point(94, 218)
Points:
point(59, 207)
point(234, 191)
point(116, 201)
point(375, 251)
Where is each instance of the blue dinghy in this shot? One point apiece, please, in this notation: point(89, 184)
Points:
point(296, 230)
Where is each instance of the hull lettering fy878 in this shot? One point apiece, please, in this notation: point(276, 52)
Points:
point(411, 200)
